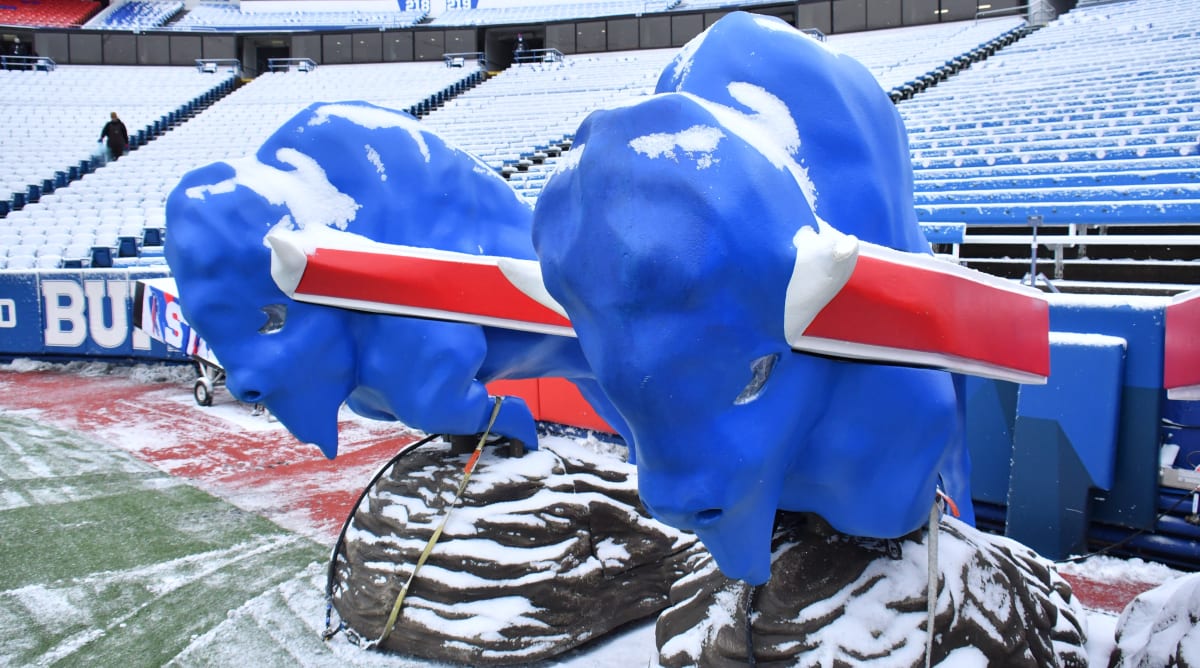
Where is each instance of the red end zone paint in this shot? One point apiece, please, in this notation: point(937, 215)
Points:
point(267, 472)
point(264, 471)
point(1108, 596)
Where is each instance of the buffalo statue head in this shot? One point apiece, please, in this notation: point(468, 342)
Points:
point(676, 233)
point(347, 169)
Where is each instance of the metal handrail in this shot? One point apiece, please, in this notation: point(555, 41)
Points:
point(214, 64)
point(286, 64)
point(814, 32)
point(538, 56)
point(460, 59)
point(1039, 13)
point(27, 63)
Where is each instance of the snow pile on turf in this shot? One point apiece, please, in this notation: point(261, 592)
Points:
point(140, 373)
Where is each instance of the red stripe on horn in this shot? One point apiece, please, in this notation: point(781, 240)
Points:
point(1181, 357)
point(427, 283)
point(914, 308)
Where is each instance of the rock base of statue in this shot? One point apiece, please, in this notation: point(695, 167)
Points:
point(542, 554)
point(833, 600)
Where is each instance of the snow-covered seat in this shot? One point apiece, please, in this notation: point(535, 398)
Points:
point(21, 261)
point(1113, 212)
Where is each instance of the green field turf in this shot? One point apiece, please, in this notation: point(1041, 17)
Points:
point(106, 561)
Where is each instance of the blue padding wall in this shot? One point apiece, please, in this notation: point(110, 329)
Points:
point(1064, 443)
point(991, 409)
point(75, 314)
point(1139, 321)
point(1184, 430)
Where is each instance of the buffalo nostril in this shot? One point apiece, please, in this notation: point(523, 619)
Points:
point(706, 517)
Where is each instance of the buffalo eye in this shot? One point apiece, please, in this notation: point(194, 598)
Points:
point(276, 318)
point(760, 373)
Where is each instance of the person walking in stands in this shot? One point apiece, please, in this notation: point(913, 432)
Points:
point(117, 135)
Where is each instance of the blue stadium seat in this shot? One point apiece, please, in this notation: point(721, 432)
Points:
point(102, 257)
point(127, 246)
point(152, 236)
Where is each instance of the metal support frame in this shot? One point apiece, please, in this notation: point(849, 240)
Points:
point(1034, 275)
point(27, 63)
point(538, 56)
point(460, 59)
point(214, 65)
point(289, 64)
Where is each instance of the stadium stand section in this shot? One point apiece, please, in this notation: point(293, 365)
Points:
point(692, 5)
point(997, 132)
point(107, 216)
point(894, 56)
point(290, 17)
point(903, 57)
point(135, 15)
point(47, 13)
point(498, 122)
point(1090, 124)
point(485, 15)
point(495, 120)
point(51, 120)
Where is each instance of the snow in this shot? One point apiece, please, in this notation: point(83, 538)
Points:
point(373, 157)
point(1135, 302)
point(698, 139)
point(824, 262)
point(771, 129)
point(305, 189)
point(476, 619)
point(1162, 624)
point(283, 622)
point(1086, 340)
point(1108, 569)
point(374, 118)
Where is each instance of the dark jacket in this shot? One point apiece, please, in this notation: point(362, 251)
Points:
point(117, 135)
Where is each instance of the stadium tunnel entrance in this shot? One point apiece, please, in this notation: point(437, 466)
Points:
point(16, 43)
point(260, 50)
point(500, 44)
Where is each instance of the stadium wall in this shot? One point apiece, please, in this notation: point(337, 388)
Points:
point(620, 33)
point(76, 314)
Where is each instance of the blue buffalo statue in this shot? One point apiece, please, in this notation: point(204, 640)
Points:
point(674, 233)
point(356, 169)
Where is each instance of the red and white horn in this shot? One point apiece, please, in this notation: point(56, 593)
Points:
point(846, 298)
point(853, 299)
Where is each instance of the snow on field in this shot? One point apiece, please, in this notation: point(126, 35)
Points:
point(134, 530)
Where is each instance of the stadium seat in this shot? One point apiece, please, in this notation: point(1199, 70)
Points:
point(101, 256)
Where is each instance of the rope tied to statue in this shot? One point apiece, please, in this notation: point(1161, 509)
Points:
point(462, 485)
point(931, 588)
point(331, 572)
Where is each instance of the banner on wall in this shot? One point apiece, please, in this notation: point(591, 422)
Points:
point(76, 314)
point(20, 308)
point(158, 315)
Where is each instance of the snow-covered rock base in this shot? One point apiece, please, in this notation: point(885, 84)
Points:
point(833, 600)
point(1161, 627)
point(542, 554)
